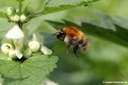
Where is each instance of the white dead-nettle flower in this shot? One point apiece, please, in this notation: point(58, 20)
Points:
point(49, 82)
point(45, 50)
point(34, 45)
point(18, 54)
point(10, 11)
point(15, 33)
point(15, 18)
point(6, 47)
point(23, 18)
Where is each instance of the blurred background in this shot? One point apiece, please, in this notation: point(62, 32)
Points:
point(103, 61)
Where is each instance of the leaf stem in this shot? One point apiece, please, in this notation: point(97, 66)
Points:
point(20, 7)
point(20, 12)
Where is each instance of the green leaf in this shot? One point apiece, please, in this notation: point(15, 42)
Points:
point(4, 27)
point(34, 6)
point(2, 15)
point(4, 4)
point(59, 5)
point(117, 34)
point(37, 64)
point(36, 79)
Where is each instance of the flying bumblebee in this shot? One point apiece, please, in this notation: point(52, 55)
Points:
point(74, 38)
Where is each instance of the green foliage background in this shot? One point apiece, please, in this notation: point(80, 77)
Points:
point(104, 22)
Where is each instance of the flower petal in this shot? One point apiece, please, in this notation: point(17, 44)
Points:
point(46, 50)
point(19, 54)
point(15, 33)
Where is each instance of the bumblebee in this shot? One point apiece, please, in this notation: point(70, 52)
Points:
point(74, 38)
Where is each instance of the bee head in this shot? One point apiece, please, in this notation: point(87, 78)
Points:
point(61, 35)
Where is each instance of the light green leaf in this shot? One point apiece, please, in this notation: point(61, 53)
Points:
point(4, 4)
point(59, 5)
point(34, 6)
point(36, 64)
point(32, 80)
point(3, 15)
point(4, 27)
point(39, 66)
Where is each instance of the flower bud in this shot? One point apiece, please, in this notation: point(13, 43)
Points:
point(10, 11)
point(34, 45)
point(15, 18)
point(6, 47)
point(17, 10)
point(27, 53)
point(23, 18)
point(45, 50)
point(15, 33)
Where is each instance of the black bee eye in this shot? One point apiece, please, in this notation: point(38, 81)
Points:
point(61, 35)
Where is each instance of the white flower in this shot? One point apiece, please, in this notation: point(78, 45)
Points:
point(34, 45)
point(15, 33)
point(23, 18)
point(45, 50)
point(10, 11)
point(15, 18)
point(18, 54)
point(6, 47)
point(49, 82)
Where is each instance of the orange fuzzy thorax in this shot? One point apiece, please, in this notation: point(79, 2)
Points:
point(71, 32)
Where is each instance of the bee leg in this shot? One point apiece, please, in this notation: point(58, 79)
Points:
point(75, 48)
point(68, 49)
